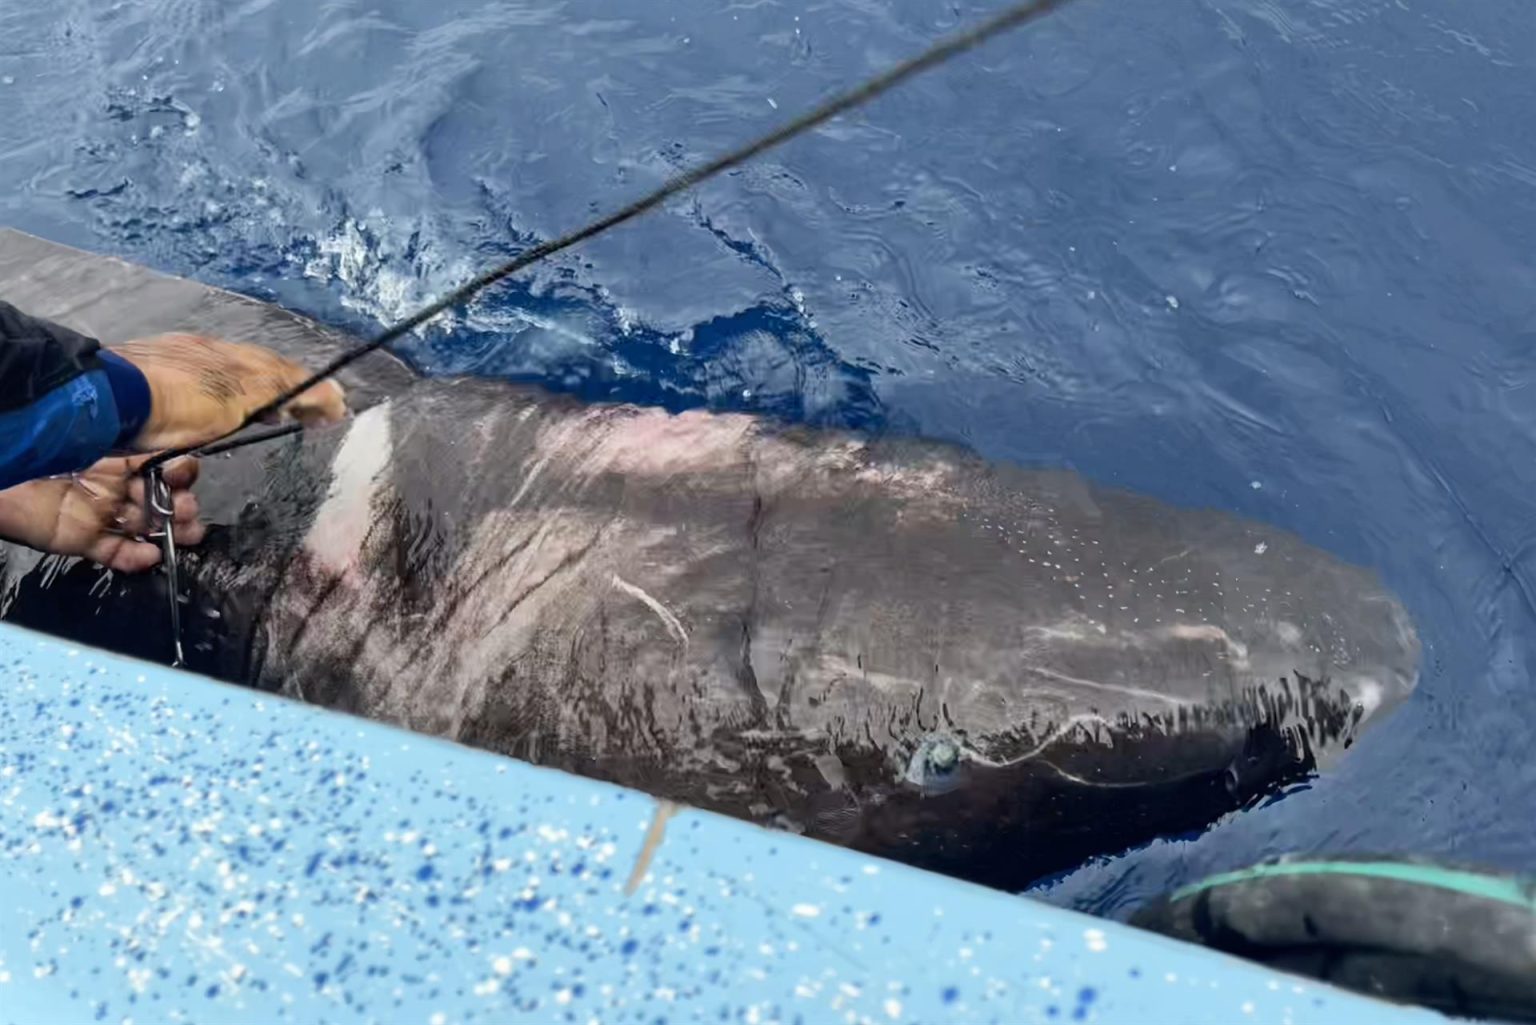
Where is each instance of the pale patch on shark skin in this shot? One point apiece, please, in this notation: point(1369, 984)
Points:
point(932, 489)
point(933, 478)
point(781, 466)
point(655, 443)
point(335, 539)
point(1213, 633)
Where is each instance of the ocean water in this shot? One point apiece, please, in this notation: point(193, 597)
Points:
point(1278, 258)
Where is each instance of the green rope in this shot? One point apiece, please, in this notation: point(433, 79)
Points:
point(1520, 894)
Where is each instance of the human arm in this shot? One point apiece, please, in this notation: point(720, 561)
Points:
point(65, 402)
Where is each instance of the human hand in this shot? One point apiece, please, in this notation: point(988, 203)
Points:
point(203, 388)
point(98, 513)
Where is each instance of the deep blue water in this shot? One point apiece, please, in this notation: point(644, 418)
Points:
point(1277, 257)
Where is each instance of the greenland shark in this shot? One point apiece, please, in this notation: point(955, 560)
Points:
point(886, 643)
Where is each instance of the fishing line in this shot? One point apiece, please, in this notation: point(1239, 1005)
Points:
point(158, 492)
point(941, 52)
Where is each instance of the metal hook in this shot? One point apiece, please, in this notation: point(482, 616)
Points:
point(161, 511)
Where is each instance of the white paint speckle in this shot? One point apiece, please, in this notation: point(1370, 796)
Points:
point(805, 910)
point(1173, 302)
point(1095, 941)
point(1261, 548)
point(502, 966)
point(893, 1008)
point(1247, 1007)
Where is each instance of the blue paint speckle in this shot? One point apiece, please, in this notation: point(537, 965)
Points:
point(1085, 998)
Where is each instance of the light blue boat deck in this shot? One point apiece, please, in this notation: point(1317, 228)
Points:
point(178, 850)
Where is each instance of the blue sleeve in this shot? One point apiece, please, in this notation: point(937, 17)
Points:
point(64, 430)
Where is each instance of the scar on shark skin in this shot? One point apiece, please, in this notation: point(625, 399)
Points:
point(664, 810)
point(673, 624)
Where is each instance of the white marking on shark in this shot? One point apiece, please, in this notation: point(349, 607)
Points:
point(1210, 632)
point(335, 539)
point(674, 625)
point(1113, 688)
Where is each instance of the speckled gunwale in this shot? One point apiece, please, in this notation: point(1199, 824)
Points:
point(178, 850)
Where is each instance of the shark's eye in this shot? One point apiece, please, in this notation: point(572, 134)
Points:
point(935, 765)
point(943, 756)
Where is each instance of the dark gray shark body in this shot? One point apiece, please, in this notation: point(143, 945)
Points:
point(888, 644)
